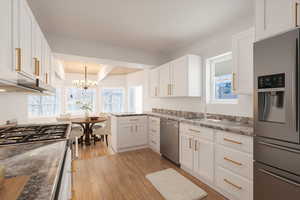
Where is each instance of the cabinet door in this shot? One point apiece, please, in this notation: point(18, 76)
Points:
point(243, 62)
point(186, 151)
point(275, 16)
point(6, 65)
point(179, 75)
point(204, 158)
point(25, 38)
point(37, 47)
point(154, 82)
point(164, 81)
point(140, 134)
point(126, 138)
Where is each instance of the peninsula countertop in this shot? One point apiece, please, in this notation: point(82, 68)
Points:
point(40, 161)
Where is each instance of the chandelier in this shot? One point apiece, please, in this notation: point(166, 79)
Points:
point(84, 84)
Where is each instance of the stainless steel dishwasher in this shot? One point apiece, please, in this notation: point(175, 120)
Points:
point(169, 139)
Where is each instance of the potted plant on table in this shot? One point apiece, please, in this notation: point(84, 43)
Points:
point(86, 107)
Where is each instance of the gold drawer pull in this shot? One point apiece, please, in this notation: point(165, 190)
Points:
point(153, 142)
point(193, 130)
point(232, 184)
point(232, 141)
point(154, 131)
point(232, 161)
point(18, 59)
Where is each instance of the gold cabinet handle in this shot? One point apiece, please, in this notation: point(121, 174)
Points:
point(190, 143)
point(46, 77)
point(296, 14)
point(156, 91)
point(136, 128)
point(36, 67)
point(232, 141)
point(233, 82)
point(232, 184)
point(196, 145)
point(232, 161)
point(193, 130)
point(18, 59)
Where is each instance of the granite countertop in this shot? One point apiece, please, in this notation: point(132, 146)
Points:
point(40, 161)
point(225, 125)
point(127, 114)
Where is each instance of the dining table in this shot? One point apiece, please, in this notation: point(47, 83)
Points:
point(87, 126)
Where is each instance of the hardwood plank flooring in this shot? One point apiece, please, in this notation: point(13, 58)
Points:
point(99, 174)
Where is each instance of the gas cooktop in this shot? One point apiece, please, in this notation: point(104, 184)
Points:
point(34, 133)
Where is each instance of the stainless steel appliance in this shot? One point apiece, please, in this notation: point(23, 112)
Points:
point(169, 139)
point(276, 117)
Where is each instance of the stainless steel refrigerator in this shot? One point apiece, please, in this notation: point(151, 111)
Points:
point(276, 117)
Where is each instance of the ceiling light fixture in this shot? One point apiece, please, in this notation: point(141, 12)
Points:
point(85, 84)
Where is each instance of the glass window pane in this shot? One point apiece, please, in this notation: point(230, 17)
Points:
point(78, 100)
point(44, 106)
point(113, 99)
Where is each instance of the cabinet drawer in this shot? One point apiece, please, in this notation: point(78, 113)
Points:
point(155, 121)
point(235, 141)
point(202, 132)
point(127, 120)
point(237, 162)
point(233, 185)
point(154, 144)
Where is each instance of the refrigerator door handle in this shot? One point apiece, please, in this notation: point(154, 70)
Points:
point(279, 147)
point(279, 177)
point(297, 84)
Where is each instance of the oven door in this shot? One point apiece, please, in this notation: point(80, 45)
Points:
point(274, 184)
point(276, 110)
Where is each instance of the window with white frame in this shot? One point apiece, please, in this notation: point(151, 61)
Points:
point(219, 79)
point(113, 100)
point(44, 106)
point(76, 97)
point(135, 99)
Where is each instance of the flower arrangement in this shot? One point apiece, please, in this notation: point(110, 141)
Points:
point(86, 107)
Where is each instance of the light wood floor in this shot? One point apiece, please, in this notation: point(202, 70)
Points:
point(99, 174)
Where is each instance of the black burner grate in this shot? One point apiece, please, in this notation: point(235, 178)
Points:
point(15, 135)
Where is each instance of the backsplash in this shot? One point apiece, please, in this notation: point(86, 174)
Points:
point(187, 114)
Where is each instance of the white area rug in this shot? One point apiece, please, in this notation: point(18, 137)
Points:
point(174, 186)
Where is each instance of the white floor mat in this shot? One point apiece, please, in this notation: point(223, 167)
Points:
point(174, 186)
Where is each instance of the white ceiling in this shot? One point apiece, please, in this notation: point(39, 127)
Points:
point(149, 25)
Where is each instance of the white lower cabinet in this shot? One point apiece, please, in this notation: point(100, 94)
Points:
point(154, 133)
point(129, 133)
point(196, 152)
point(220, 159)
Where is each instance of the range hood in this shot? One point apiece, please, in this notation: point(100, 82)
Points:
point(25, 85)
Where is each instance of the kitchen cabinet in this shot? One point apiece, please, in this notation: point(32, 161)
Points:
point(24, 50)
point(165, 80)
point(23, 45)
point(129, 133)
point(203, 158)
point(275, 16)
point(181, 77)
point(197, 152)
point(6, 35)
point(242, 52)
point(154, 82)
point(220, 159)
point(154, 133)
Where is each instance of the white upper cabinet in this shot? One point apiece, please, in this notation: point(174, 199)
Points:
point(180, 78)
point(23, 45)
point(242, 52)
point(6, 64)
point(23, 49)
point(154, 82)
point(275, 16)
point(165, 80)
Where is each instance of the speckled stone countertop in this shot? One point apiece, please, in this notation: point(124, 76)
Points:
point(40, 161)
point(224, 125)
point(127, 114)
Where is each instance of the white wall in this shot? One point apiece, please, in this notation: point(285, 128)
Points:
point(13, 105)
